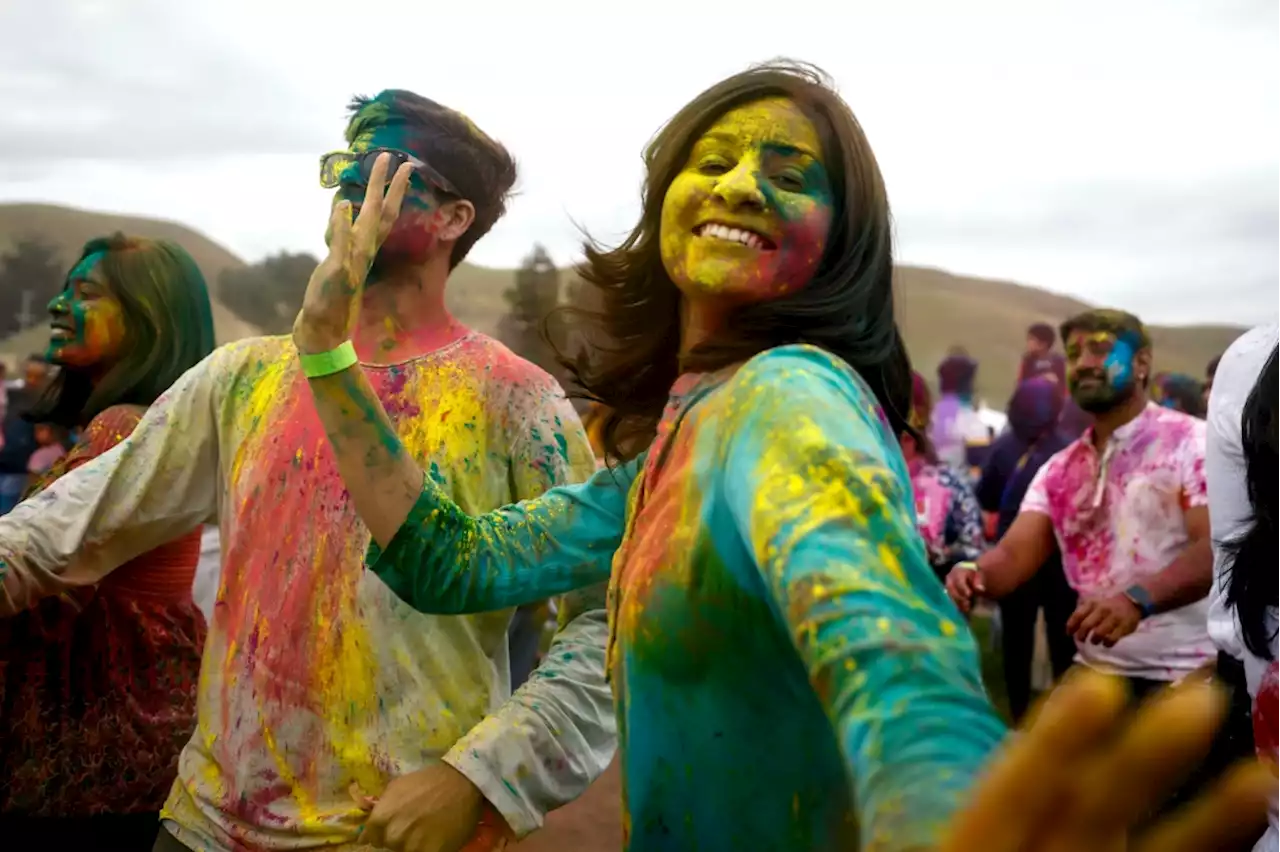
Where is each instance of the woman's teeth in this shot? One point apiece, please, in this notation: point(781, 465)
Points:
point(733, 235)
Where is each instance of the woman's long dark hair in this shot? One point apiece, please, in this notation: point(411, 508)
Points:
point(168, 329)
point(632, 326)
point(1253, 558)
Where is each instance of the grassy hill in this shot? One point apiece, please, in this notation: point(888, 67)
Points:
point(68, 230)
point(937, 309)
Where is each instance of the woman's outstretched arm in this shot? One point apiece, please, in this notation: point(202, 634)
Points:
point(435, 556)
point(822, 499)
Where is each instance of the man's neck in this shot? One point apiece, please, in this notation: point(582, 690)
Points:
point(403, 314)
point(1105, 424)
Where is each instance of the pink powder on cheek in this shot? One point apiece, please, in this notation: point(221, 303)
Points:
point(793, 265)
point(414, 235)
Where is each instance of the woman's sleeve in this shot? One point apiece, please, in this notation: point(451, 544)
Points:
point(821, 499)
point(444, 561)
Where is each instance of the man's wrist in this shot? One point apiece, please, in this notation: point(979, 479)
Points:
point(1141, 598)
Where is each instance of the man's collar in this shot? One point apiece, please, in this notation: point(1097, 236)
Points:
point(1124, 432)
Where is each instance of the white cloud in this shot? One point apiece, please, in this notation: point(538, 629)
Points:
point(1122, 152)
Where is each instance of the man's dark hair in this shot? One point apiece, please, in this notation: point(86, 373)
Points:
point(481, 169)
point(1119, 323)
point(1042, 332)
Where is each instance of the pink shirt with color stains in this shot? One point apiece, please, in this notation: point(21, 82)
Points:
point(1119, 517)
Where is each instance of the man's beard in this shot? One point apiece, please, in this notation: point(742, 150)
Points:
point(1101, 397)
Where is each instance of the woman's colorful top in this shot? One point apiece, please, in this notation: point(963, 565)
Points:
point(98, 690)
point(789, 674)
point(316, 679)
point(947, 515)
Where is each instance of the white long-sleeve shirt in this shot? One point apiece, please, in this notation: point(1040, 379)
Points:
point(1230, 512)
point(1224, 467)
point(315, 676)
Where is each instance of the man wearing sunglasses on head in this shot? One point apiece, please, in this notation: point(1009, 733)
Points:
point(331, 714)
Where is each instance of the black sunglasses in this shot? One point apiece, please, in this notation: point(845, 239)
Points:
point(334, 164)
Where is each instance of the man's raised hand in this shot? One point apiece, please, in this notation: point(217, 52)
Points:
point(332, 301)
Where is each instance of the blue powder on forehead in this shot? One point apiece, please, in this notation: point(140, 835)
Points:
point(81, 270)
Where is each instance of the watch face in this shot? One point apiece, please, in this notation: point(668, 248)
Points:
point(1141, 599)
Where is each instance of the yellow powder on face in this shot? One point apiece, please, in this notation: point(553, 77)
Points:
point(737, 175)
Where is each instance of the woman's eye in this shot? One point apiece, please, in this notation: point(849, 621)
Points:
point(713, 167)
point(788, 181)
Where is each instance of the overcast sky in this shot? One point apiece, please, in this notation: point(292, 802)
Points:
point(1123, 151)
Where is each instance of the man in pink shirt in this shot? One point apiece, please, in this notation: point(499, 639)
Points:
point(1127, 505)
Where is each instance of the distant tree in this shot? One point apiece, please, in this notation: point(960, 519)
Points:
point(533, 295)
point(267, 293)
point(30, 276)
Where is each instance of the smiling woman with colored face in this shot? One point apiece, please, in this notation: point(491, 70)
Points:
point(747, 219)
point(787, 670)
point(97, 690)
point(87, 327)
point(778, 638)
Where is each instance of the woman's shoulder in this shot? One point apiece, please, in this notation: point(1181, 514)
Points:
point(787, 375)
point(108, 428)
point(797, 364)
point(114, 423)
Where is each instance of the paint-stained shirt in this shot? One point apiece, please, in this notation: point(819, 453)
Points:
point(1120, 517)
point(316, 678)
point(789, 673)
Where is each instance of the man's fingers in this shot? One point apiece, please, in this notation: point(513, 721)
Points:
point(1082, 610)
point(1089, 623)
point(395, 195)
point(1166, 739)
point(1231, 815)
point(1106, 631)
point(364, 801)
point(1023, 787)
point(372, 206)
point(339, 228)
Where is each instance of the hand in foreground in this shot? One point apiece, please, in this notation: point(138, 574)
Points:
point(1104, 621)
point(1086, 771)
point(332, 300)
point(436, 809)
point(964, 583)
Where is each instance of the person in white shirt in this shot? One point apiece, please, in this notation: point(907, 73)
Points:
point(1241, 470)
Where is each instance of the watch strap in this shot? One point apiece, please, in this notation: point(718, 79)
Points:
point(1141, 598)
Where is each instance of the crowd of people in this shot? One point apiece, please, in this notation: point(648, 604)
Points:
point(762, 548)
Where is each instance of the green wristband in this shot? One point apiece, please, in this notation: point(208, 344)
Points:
point(327, 363)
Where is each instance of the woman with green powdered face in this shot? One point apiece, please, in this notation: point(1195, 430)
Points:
point(97, 689)
point(788, 672)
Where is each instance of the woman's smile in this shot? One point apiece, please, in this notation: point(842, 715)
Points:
point(747, 218)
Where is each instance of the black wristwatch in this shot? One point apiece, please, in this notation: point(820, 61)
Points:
point(1141, 598)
